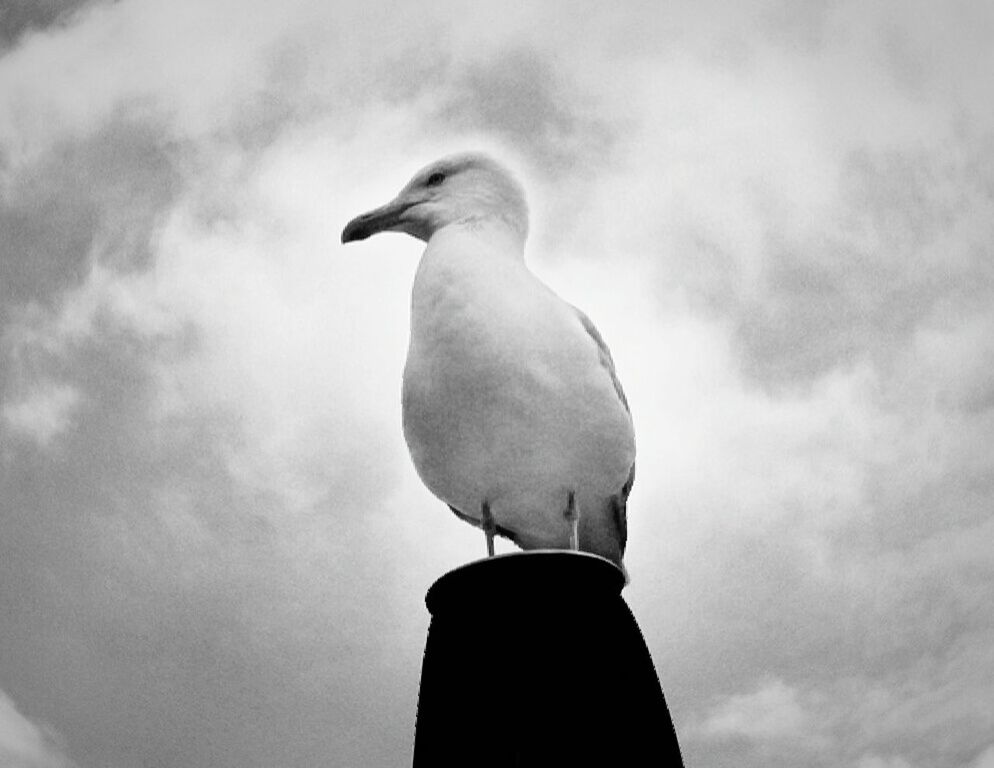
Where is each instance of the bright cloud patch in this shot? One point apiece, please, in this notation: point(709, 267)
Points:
point(985, 759)
point(23, 744)
point(771, 712)
point(43, 414)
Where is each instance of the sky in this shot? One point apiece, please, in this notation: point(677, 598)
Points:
point(213, 547)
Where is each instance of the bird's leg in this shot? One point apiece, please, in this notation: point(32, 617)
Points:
point(572, 515)
point(489, 526)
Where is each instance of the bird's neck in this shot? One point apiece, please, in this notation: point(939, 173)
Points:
point(487, 238)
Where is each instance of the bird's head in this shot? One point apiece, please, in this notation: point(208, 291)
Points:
point(469, 188)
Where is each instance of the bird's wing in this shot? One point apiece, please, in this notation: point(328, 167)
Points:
point(606, 360)
point(621, 505)
point(621, 509)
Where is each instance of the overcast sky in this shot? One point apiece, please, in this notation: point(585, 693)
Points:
point(213, 547)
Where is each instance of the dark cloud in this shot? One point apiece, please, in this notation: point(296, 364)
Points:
point(905, 59)
point(97, 199)
point(902, 514)
point(863, 288)
point(520, 97)
point(277, 101)
point(803, 26)
point(909, 632)
point(19, 17)
point(406, 75)
point(157, 609)
point(160, 612)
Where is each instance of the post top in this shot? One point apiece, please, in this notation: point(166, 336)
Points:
point(525, 576)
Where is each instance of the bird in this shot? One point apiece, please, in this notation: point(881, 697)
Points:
point(513, 412)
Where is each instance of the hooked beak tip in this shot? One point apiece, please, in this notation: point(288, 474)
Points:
point(383, 219)
point(354, 231)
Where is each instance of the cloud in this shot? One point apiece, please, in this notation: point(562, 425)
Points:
point(214, 547)
point(209, 497)
point(24, 744)
point(904, 247)
point(985, 759)
point(517, 95)
point(43, 414)
point(860, 719)
point(771, 712)
point(91, 201)
point(876, 761)
point(19, 17)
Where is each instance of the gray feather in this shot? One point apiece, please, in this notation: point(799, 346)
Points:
point(605, 354)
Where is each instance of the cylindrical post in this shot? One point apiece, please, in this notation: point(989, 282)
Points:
point(534, 659)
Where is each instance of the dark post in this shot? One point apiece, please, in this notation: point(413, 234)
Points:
point(535, 659)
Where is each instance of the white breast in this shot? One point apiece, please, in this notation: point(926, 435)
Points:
point(505, 396)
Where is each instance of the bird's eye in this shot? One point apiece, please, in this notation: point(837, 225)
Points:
point(435, 179)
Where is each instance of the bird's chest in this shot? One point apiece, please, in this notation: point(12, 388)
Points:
point(476, 346)
point(482, 361)
point(500, 397)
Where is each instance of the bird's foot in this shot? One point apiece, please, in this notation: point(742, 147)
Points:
point(489, 526)
point(572, 515)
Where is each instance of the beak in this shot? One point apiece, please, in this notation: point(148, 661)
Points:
point(383, 219)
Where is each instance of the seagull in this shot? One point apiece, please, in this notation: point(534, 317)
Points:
point(512, 410)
